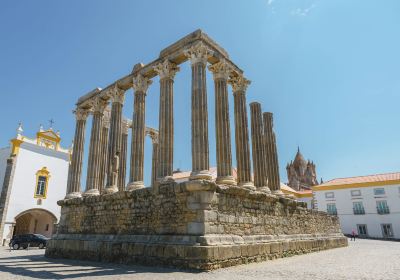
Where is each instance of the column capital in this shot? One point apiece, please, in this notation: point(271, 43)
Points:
point(81, 114)
point(166, 69)
point(198, 53)
point(141, 83)
point(153, 133)
point(239, 83)
point(221, 70)
point(98, 105)
point(117, 94)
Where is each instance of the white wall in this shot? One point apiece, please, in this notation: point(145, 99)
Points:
point(344, 204)
point(30, 159)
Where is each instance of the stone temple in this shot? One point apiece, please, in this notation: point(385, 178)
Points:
point(198, 224)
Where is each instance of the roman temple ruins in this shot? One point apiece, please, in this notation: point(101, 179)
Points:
point(201, 223)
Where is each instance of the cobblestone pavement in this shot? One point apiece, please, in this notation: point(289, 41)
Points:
point(363, 259)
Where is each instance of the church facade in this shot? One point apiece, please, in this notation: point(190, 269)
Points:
point(33, 176)
point(301, 173)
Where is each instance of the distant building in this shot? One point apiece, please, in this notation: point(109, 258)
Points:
point(369, 205)
point(33, 176)
point(301, 173)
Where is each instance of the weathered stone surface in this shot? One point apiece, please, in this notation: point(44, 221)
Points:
point(228, 226)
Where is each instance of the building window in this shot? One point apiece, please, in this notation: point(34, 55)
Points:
point(379, 191)
point(358, 208)
point(362, 230)
point(42, 180)
point(331, 209)
point(382, 207)
point(387, 230)
point(329, 195)
point(355, 193)
point(47, 227)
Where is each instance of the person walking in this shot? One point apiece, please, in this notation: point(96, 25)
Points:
point(353, 235)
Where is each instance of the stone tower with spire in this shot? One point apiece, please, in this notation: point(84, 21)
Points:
point(301, 173)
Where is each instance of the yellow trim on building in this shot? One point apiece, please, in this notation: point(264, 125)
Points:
point(42, 173)
point(356, 185)
point(296, 194)
point(15, 144)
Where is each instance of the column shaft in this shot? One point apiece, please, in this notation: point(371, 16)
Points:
point(200, 149)
point(114, 145)
point(221, 71)
point(166, 130)
point(104, 154)
point(154, 163)
point(272, 165)
point(75, 168)
point(140, 85)
point(94, 170)
point(123, 158)
point(258, 146)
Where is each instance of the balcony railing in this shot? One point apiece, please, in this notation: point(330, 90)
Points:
point(359, 211)
point(382, 210)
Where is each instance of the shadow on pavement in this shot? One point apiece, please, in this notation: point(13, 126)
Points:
point(40, 267)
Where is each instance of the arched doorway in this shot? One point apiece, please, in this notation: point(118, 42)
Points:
point(35, 221)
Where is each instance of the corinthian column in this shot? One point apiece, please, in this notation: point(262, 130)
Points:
point(271, 155)
point(94, 170)
point(104, 146)
point(198, 55)
point(166, 70)
point(239, 86)
point(221, 71)
point(140, 86)
point(117, 96)
point(123, 155)
point(258, 147)
point(75, 168)
point(154, 135)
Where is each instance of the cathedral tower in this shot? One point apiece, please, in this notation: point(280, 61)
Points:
point(301, 173)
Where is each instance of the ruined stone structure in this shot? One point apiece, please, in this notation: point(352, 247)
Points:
point(301, 173)
point(201, 223)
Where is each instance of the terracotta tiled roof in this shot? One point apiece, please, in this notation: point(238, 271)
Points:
point(362, 179)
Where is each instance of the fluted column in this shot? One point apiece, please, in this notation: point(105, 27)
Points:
point(271, 155)
point(154, 135)
point(75, 168)
point(104, 148)
point(123, 156)
point(166, 70)
point(198, 55)
point(93, 169)
point(140, 86)
point(221, 71)
point(258, 147)
point(117, 96)
point(239, 86)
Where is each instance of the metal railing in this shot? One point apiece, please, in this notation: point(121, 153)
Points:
point(383, 210)
point(358, 211)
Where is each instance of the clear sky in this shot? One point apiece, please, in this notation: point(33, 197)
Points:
point(328, 70)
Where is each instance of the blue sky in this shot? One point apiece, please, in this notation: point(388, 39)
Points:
point(328, 70)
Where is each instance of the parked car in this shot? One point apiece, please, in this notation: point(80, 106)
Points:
point(31, 240)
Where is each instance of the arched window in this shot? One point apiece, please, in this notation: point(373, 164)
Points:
point(42, 180)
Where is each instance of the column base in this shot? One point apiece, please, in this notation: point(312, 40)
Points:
point(135, 186)
point(264, 189)
point(225, 180)
point(200, 175)
point(110, 189)
point(247, 185)
point(73, 195)
point(91, 192)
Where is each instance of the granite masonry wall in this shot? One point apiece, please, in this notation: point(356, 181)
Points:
point(195, 224)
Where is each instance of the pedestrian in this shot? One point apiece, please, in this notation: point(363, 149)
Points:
point(353, 235)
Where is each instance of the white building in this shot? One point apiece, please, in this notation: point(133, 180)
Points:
point(33, 176)
point(369, 205)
